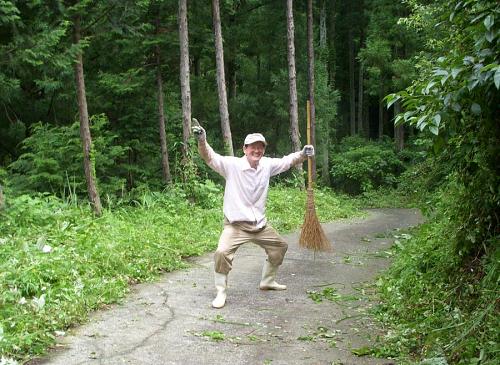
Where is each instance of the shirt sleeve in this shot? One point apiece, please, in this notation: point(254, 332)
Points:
point(212, 158)
point(279, 165)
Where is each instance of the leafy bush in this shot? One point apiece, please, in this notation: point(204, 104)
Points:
point(362, 166)
point(437, 306)
point(52, 160)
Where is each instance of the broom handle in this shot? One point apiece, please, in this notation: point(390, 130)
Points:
point(309, 159)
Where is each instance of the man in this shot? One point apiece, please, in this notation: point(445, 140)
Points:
point(245, 194)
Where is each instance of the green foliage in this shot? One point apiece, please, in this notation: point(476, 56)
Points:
point(456, 100)
point(285, 210)
point(436, 305)
point(52, 160)
point(330, 294)
point(360, 166)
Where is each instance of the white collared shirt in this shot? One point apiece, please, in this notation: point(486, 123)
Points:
point(246, 188)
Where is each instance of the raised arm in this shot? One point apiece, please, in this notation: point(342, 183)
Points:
point(212, 159)
point(282, 164)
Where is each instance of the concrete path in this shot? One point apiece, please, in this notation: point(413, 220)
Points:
point(171, 321)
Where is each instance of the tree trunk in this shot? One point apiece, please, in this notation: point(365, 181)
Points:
point(322, 26)
point(167, 178)
point(292, 85)
point(323, 46)
point(310, 74)
point(221, 81)
point(184, 77)
point(352, 91)
point(381, 113)
point(366, 120)
point(332, 45)
point(361, 130)
point(399, 136)
point(88, 158)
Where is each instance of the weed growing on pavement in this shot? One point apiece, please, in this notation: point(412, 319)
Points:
point(214, 335)
point(322, 334)
point(330, 294)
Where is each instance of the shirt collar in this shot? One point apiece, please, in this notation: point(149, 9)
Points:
point(245, 165)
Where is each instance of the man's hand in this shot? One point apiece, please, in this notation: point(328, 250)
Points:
point(308, 150)
point(198, 131)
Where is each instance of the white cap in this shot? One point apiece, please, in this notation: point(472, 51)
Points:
point(255, 137)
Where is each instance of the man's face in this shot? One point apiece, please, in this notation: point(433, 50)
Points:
point(254, 152)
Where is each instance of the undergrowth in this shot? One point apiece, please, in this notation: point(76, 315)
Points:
point(439, 305)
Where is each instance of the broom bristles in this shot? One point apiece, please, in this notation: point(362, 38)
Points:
point(312, 236)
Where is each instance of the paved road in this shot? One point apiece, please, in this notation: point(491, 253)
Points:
point(171, 321)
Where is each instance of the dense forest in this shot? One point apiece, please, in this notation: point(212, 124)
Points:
point(97, 99)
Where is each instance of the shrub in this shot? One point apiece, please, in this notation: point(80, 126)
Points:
point(360, 167)
point(52, 159)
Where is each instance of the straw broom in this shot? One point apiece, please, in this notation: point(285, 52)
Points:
point(312, 236)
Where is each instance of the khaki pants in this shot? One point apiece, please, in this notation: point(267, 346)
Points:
point(236, 234)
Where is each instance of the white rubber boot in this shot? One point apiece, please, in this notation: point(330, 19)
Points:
point(220, 285)
point(268, 278)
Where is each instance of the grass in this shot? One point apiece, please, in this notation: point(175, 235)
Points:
point(438, 307)
point(58, 262)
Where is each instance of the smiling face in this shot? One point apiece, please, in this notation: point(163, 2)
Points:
point(254, 153)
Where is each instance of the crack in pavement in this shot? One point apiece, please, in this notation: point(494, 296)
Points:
point(276, 319)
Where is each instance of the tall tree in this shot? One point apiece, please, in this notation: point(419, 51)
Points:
point(361, 130)
point(310, 78)
point(88, 159)
point(221, 80)
point(352, 89)
point(325, 120)
point(167, 178)
point(184, 77)
point(292, 83)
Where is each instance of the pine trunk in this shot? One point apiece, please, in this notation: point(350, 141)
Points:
point(361, 130)
point(167, 178)
point(381, 114)
point(352, 91)
point(310, 74)
point(184, 77)
point(325, 140)
point(88, 158)
point(221, 80)
point(292, 84)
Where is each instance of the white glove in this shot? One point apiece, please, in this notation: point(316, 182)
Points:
point(198, 131)
point(308, 150)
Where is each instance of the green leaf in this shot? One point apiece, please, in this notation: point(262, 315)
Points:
point(421, 122)
point(496, 78)
point(440, 72)
point(455, 72)
point(488, 22)
point(489, 35)
point(456, 107)
point(475, 109)
point(429, 86)
point(468, 60)
point(437, 119)
point(391, 99)
point(434, 130)
point(362, 351)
